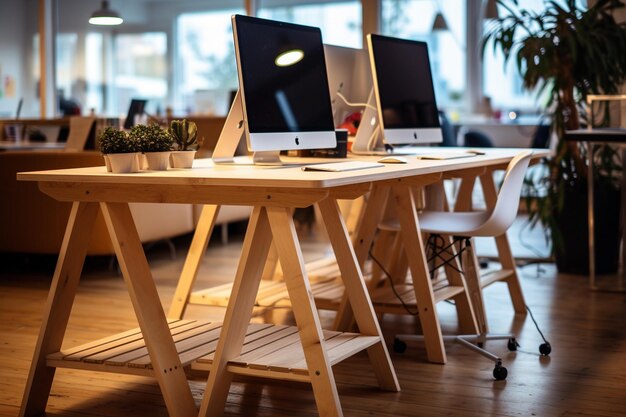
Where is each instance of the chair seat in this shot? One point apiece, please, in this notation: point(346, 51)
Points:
point(455, 223)
point(448, 223)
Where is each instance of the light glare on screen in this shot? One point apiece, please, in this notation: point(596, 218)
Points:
point(290, 57)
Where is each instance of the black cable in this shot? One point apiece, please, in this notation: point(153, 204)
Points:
point(393, 287)
point(536, 325)
point(436, 250)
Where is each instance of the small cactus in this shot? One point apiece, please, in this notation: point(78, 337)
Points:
point(185, 135)
point(151, 138)
point(113, 140)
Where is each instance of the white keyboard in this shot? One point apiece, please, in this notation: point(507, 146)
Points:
point(341, 166)
point(447, 155)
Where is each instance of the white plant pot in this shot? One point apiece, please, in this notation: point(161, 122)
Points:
point(107, 163)
point(182, 159)
point(158, 161)
point(124, 162)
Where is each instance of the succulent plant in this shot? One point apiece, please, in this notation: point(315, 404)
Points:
point(151, 138)
point(185, 135)
point(113, 140)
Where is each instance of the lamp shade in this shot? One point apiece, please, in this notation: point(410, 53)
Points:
point(105, 16)
point(440, 22)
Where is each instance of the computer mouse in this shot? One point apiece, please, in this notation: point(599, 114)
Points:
point(393, 160)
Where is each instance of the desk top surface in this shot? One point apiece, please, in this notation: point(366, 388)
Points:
point(7, 145)
point(596, 135)
point(289, 175)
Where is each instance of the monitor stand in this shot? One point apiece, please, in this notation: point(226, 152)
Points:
point(232, 132)
point(369, 134)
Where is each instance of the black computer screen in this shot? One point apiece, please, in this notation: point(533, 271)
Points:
point(405, 84)
point(283, 96)
point(136, 107)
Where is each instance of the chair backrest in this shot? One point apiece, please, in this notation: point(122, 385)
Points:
point(79, 132)
point(505, 211)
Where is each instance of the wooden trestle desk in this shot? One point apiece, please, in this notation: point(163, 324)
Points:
point(162, 348)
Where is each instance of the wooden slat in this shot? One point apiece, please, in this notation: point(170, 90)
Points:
point(253, 341)
point(184, 341)
point(67, 354)
point(101, 350)
point(495, 276)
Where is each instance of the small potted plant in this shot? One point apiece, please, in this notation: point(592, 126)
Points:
point(120, 151)
point(186, 143)
point(155, 143)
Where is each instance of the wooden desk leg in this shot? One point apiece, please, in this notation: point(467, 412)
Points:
point(254, 253)
point(305, 313)
point(424, 296)
point(357, 293)
point(504, 248)
point(168, 369)
point(472, 278)
point(372, 215)
point(197, 249)
point(463, 201)
point(58, 306)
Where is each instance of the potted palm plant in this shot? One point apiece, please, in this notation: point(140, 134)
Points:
point(120, 152)
point(567, 52)
point(155, 143)
point(186, 143)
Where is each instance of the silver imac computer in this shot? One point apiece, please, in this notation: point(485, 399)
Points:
point(283, 102)
point(402, 109)
point(349, 80)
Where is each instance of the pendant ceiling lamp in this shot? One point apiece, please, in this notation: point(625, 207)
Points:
point(105, 16)
point(440, 22)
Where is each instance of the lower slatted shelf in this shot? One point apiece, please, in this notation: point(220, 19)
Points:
point(269, 350)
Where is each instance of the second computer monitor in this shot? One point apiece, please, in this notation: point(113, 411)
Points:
point(403, 86)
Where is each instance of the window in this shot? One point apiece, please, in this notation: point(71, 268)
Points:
point(339, 21)
point(140, 70)
point(94, 73)
point(206, 64)
point(503, 84)
point(413, 19)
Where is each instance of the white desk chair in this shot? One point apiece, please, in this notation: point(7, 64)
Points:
point(461, 227)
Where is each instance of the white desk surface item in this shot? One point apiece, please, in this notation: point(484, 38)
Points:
point(446, 155)
point(393, 160)
point(341, 166)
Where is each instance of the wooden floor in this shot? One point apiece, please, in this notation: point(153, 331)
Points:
point(584, 376)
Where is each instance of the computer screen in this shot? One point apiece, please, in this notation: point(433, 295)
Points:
point(283, 85)
point(137, 106)
point(404, 91)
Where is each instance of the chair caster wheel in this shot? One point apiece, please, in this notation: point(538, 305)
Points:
point(512, 345)
point(545, 349)
point(399, 346)
point(500, 372)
